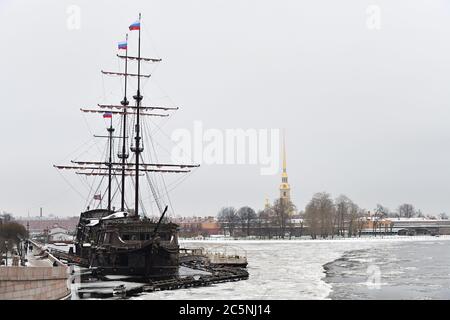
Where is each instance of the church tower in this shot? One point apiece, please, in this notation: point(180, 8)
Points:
point(267, 204)
point(285, 189)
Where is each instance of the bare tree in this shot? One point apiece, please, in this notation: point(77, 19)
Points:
point(319, 214)
point(268, 213)
point(228, 219)
point(361, 222)
point(282, 209)
point(443, 216)
point(246, 215)
point(312, 217)
point(382, 211)
point(302, 224)
point(6, 217)
point(406, 210)
point(13, 232)
point(326, 211)
point(259, 222)
point(343, 206)
point(354, 215)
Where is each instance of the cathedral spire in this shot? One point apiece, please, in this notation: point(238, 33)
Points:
point(284, 152)
point(284, 187)
point(284, 176)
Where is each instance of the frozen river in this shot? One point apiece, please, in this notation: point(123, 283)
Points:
point(400, 268)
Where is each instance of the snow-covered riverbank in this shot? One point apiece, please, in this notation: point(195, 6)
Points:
point(232, 241)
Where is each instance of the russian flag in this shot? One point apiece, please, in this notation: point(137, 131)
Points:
point(123, 45)
point(135, 26)
point(107, 115)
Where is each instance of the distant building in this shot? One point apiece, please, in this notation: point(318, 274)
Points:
point(58, 234)
point(5, 217)
point(374, 224)
point(196, 226)
point(57, 229)
point(405, 226)
point(418, 226)
point(38, 225)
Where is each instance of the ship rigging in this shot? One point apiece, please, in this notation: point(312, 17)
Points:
point(126, 241)
point(121, 166)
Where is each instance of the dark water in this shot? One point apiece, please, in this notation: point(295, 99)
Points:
point(397, 270)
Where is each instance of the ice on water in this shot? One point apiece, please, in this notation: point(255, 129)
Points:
point(289, 269)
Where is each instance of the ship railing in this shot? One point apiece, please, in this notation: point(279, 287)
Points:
point(227, 251)
point(192, 251)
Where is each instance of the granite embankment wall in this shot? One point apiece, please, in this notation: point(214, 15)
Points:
point(33, 283)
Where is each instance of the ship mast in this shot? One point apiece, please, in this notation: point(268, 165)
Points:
point(138, 149)
point(110, 138)
point(124, 154)
point(123, 167)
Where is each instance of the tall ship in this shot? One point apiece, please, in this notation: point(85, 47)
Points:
point(126, 240)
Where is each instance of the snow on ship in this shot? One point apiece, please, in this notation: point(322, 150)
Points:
point(127, 241)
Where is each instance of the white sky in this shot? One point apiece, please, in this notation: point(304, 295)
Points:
point(366, 112)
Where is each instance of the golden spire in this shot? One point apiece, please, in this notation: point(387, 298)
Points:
point(285, 189)
point(284, 174)
point(284, 153)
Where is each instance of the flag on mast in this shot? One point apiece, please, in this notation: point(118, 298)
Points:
point(97, 197)
point(135, 25)
point(123, 45)
point(107, 115)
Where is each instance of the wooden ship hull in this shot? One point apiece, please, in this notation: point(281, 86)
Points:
point(149, 261)
point(119, 244)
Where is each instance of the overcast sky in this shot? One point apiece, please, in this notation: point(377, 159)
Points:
point(366, 111)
